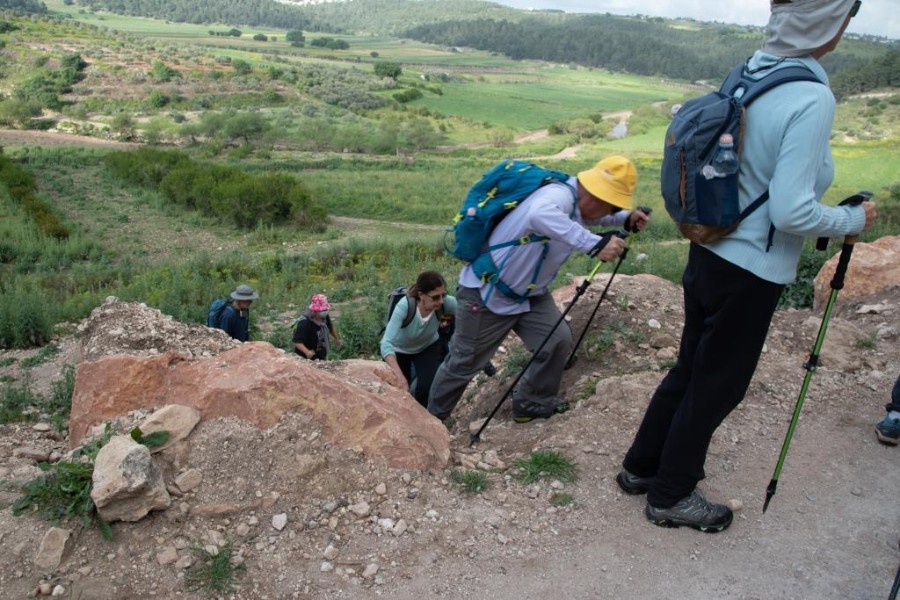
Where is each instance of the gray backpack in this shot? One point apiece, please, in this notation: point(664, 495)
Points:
point(704, 208)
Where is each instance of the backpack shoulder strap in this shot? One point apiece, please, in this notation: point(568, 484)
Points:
point(754, 88)
point(410, 312)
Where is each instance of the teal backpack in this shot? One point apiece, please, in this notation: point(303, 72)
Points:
point(499, 191)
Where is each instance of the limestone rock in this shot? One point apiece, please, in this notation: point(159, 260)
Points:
point(177, 419)
point(126, 482)
point(873, 267)
point(51, 550)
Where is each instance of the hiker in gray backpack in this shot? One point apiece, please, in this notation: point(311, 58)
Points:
point(559, 211)
point(732, 286)
point(235, 317)
point(414, 342)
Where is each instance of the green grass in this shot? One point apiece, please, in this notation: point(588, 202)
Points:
point(471, 482)
point(562, 499)
point(545, 465)
point(537, 101)
point(213, 573)
point(64, 491)
point(17, 401)
point(43, 355)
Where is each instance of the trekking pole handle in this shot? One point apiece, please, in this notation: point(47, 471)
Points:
point(854, 200)
point(644, 209)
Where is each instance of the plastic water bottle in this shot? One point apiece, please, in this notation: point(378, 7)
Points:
point(469, 236)
point(725, 161)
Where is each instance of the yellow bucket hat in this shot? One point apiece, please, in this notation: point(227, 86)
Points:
point(612, 180)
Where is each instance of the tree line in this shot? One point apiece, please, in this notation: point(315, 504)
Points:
point(634, 45)
point(255, 13)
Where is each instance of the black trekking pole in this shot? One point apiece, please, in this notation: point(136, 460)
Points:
point(572, 358)
point(579, 291)
point(896, 587)
point(837, 283)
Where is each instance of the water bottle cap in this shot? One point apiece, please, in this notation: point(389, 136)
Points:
point(726, 139)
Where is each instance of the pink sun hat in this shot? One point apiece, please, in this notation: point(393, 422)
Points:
point(319, 303)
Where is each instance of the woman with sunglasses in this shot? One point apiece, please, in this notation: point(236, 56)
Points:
point(416, 345)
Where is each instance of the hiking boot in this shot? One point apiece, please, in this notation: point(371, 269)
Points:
point(888, 431)
point(692, 511)
point(633, 484)
point(529, 410)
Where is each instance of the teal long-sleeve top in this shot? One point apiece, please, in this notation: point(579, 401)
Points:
point(416, 336)
point(785, 148)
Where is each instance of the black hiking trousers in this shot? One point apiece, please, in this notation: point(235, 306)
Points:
point(727, 312)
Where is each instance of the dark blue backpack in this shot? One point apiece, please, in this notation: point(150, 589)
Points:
point(707, 209)
point(499, 191)
point(214, 313)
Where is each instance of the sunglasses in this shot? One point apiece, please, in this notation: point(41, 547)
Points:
point(855, 8)
point(436, 297)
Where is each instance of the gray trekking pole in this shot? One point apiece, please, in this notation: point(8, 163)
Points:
point(837, 283)
point(579, 291)
point(572, 358)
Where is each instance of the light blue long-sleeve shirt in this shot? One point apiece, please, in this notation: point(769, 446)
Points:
point(551, 211)
point(785, 147)
point(416, 336)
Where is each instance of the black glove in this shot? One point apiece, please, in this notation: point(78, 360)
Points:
point(604, 240)
point(631, 224)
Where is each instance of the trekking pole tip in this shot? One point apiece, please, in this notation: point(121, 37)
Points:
point(770, 492)
point(474, 438)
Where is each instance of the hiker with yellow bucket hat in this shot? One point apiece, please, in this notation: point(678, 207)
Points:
point(517, 296)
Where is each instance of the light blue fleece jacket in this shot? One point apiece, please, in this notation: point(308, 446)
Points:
point(416, 336)
point(785, 147)
point(551, 211)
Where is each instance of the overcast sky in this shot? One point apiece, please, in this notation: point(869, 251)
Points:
point(876, 17)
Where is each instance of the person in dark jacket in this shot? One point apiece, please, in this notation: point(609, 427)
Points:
point(235, 319)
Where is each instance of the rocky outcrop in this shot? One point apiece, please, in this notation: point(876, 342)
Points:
point(135, 357)
point(873, 267)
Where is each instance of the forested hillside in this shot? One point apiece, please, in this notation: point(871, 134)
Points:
point(641, 45)
point(232, 12)
point(631, 44)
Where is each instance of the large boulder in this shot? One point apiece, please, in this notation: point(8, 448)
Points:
point(259, 383)
point(873, 268)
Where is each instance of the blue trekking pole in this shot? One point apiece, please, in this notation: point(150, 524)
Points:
point(837, 283)
point(579, 291)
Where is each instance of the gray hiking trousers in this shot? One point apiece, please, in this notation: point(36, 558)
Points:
point(479, 333)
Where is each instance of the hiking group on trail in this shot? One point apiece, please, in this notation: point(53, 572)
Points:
point(521, 222)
